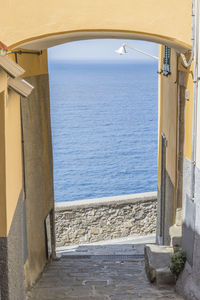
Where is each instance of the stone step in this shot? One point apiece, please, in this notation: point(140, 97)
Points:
point(157, 261)
point(175, 233)
point(165, 277)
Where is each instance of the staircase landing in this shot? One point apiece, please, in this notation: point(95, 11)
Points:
point(112, 274)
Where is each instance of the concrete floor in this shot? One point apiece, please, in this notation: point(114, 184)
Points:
point(112, 270)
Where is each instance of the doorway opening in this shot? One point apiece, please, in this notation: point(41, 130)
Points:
point(104, 124)
point(104, 120)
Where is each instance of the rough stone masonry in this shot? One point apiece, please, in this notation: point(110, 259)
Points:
point(99, 219)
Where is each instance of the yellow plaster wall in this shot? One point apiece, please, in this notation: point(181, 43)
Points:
point(168, 116)
point(188, 108)
point(10, 155)
point(23, 21)
point(188, 111)
point(160, 116)
point(198, 128)
point(188, 120)
point(3, 81)
point(32, 64)
point(3, 223)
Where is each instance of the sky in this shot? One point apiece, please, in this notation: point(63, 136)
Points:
point(102, 49)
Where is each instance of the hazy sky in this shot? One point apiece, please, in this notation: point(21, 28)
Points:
point(101, 49)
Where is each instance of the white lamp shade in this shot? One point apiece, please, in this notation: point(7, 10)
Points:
point(121, 50)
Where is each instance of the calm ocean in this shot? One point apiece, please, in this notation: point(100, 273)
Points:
point(104, 127)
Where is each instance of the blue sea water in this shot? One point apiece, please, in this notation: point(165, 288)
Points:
point(104, 128)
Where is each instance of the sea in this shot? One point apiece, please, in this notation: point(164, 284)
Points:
point(104, 118)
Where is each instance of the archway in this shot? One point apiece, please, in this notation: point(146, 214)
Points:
point(37, 75)
point(56, 23)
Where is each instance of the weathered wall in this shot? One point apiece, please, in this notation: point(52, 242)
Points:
point(11, 195)
point(189, 281)
point(175, 121)
point(38, 163)
point(168, 95)
point(187, 204)
point(106, 218)
point(12, 258)
point(26, 178)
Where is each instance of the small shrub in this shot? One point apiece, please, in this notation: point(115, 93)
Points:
point(177, 264)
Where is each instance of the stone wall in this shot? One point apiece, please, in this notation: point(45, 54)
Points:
point(107, 218)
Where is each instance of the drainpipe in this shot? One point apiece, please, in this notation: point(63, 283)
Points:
point(195, 87)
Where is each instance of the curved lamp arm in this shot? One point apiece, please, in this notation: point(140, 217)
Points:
point(187, 64)
point(122, 50)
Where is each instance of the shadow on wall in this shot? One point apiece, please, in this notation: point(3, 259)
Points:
point(188, 283)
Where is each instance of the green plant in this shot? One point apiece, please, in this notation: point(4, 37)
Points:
point(178, 260)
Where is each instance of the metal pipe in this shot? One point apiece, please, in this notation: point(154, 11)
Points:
point(187, 64)
point(25, 52)
point(195, 86)
point(23, 154)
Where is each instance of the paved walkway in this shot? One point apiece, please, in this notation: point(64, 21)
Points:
point(112, 270)
point(130, 245)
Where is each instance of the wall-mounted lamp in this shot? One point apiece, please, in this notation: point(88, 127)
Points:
point(122, 50)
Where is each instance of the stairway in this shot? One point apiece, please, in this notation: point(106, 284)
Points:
point(157, 257)
point(157, 260)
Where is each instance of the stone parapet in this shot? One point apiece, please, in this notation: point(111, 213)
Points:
point(99, 219)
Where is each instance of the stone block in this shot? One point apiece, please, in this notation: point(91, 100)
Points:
point(95, 230)
point(179, 217)
point(156, 257)
point(164, 277)
point(125, 232)
point(175, 233)
point(80, 231)
point(139, 215)
point(128, 224)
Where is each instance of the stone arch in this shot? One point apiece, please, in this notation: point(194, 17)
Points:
point(42, 24)
point(47, 41)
